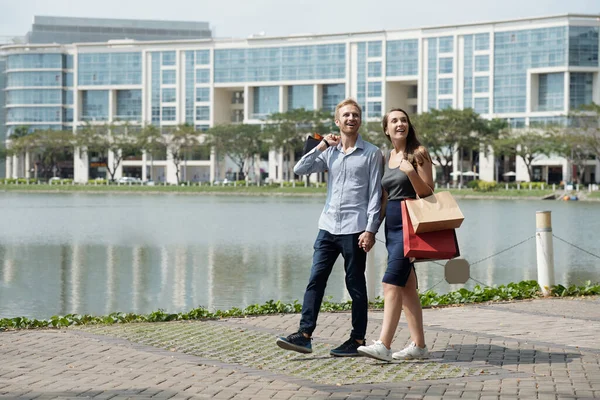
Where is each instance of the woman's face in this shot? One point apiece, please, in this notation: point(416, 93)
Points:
point(397, 127)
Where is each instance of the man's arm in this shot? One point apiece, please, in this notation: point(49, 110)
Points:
point(313, 161)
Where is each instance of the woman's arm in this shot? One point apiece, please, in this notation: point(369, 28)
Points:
point(422, 177)
point(384, 200)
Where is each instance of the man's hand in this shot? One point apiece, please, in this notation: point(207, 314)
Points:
point(331, 139)
point(366, 241)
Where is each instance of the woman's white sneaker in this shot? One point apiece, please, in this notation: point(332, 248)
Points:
point(377, 351)
point(411, 352)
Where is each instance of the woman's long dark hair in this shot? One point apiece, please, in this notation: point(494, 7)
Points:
point(411, 152)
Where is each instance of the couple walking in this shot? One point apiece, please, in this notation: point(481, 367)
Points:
point(364, 188)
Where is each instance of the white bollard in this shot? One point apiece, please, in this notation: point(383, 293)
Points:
point(545, 251)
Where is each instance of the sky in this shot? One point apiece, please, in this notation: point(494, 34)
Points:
point(242, 18)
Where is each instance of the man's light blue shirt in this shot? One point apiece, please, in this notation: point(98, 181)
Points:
point(353, 200)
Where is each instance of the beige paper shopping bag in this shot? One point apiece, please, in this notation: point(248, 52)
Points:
point(434, 213)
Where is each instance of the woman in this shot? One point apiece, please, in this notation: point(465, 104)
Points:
point(407, 173)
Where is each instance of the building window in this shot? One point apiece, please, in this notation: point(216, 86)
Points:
point(445, 103)
point(203, 75)
point(202, 57)
point(203, 113)
point(374, 49)
point(169, 58)
point(202, 94)
point(301, 96)
point(374, 89)
point(374, 69)
point(446, 44)
point(169, 113)
point(481, 105)
point(482, 84)
point(169, 95)
point(446, 65)
point(445, 86)
point(373, 109)
point(169, 77)
point(482, 63)
point(482, 41)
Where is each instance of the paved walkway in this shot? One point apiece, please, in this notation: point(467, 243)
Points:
point(542, 349)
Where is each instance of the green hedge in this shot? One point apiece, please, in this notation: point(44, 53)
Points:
point(512, 291)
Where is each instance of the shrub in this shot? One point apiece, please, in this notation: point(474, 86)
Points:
point(485, 186)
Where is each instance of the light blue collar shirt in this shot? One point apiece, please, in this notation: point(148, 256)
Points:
point(353, 200)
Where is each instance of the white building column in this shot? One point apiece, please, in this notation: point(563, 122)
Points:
point(81, 164)
point(144, 166)
point(487, 166)
point(27, 164)
point(280, 175)
point(8, 167)
point(15, 166)
point(213, 163)
point(170, 170)
point(274, 166)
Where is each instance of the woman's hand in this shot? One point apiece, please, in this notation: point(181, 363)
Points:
point(406, 166)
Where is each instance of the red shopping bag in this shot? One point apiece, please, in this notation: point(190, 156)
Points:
point(437, 245)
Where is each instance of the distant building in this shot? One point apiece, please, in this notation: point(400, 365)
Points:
point(529, 72)
point(65, 30)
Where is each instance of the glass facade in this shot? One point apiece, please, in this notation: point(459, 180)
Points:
point(34, 114)
point(36, 61)
point(551, 92)
point(402, 57)
point(202, 113)
point(301, 96)
point(468, 72)
point(129, 105)
point(190, 62)
point(94, 105)
point(34, 96)
point(517, 51)
point(110, 69)
point(280, 63)
point(432, 73)
point(583, 46)
point(361, 73)
point(581, 89)
point(266, 101)
point(332, 95)
point(33, 79)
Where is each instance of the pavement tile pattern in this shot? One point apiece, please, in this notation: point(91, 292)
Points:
point(541, 349)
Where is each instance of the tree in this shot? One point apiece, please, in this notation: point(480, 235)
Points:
point(102, 139)
point(576, 147)
point(178, 141)
point(527, 145)
point(240, 142)
point(372, 132)
point(149, 140)
point(447, 131)
point(287, 131)
point(48, 147)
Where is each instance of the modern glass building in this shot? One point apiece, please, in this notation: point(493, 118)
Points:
point(529, 72)
point(64, 30)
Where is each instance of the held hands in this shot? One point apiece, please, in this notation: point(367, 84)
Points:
point(366, 241)
point(332, 140)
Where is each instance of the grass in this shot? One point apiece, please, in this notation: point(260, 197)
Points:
point(268, 190)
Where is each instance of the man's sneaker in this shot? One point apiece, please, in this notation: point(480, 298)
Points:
point(377, 351)
point(295, 342)
point(411, 352)
point(347, 349)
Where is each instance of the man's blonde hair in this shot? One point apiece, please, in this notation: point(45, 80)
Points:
point(347, 102)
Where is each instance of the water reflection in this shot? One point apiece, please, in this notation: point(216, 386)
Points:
point(99, 254)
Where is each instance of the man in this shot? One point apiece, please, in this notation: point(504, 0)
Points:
point(347, 226)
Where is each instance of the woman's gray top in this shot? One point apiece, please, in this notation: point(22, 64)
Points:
point(395, 182)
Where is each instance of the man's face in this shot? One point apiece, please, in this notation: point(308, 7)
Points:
point(348, 119)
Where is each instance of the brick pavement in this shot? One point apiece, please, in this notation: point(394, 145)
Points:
point(541, 349)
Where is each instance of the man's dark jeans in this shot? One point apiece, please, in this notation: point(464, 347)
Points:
point(327, 249)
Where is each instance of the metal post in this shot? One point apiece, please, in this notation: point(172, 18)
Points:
point(545, 251)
